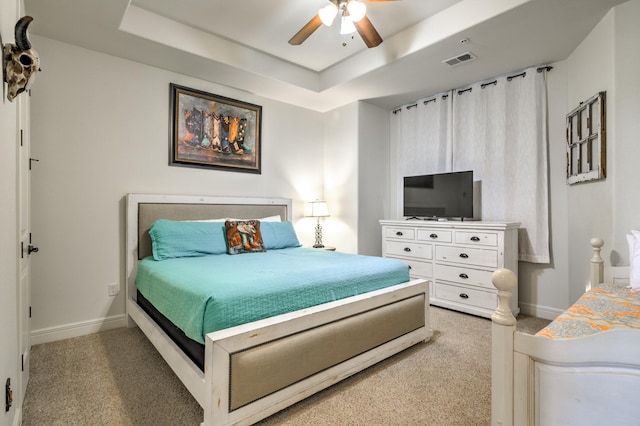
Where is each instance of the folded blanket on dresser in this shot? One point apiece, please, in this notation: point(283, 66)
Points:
point(599, 309)
point(208, 293)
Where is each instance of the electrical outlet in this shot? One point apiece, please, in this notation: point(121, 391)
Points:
point(8, 396)
point(113, 289)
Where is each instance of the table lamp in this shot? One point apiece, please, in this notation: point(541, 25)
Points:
point(318, 209)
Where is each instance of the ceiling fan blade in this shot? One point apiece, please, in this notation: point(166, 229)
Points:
point(368, 32)
point(306, 31)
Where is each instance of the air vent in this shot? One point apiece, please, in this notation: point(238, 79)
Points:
point(457, 60)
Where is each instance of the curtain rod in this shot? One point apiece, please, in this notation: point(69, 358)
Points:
point(483, 85)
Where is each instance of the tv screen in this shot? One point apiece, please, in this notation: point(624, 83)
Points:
point(442, 195)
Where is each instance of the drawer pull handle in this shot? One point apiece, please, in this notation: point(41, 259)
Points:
point(464, 255)
point(407, 249)
point(464, 296)
point(434, 236)
point(399, 234)
point(464, 276)
point(475, 238)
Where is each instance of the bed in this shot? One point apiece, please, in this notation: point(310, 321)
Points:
point(245, 371)
point(582, 369)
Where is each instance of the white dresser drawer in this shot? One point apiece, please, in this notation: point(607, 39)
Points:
point(417, 269)
point(435, 235)
point(467, 296)
point(467, 256)
point(409, 249)
point(420, 269)
point(479, 238)
point(464, 275)
point(400, 233)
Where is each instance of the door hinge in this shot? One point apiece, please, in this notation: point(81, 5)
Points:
point(29, 311)
point(31, 160)
point(22, 361)
point(21, 250)
point(21, 138)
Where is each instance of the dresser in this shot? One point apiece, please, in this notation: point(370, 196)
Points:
point(457, 257)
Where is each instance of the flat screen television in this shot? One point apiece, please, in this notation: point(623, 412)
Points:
point(439, 196)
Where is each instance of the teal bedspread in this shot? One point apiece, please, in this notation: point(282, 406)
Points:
point(214, 292)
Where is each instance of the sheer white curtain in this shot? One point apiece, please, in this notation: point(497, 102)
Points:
point(422, 133)
point(423, 136)
point(498, 130)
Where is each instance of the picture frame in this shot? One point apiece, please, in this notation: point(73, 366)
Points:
point(215, 132)
point(587, 140)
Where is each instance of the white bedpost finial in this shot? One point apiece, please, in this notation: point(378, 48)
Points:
point(505, 281)
point(597, 264)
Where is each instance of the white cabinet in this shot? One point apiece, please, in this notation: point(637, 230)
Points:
point(457, 257)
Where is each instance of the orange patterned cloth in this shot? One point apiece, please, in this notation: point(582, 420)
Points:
point(599, 309)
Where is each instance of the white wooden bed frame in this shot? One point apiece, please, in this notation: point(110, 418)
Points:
point(591, 380)
point(288, 336)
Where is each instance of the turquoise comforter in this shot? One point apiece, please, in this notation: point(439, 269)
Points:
point(209, 293)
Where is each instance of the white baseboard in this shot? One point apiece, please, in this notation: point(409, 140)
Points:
point(539, 311)
point(17, 418)
point(61, 332)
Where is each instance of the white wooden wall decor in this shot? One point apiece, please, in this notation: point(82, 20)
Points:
point(586, 140)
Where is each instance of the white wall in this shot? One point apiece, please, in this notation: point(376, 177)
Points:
point(590, 69)
point(341, 178)
point(356, 158)
point(373, 176)
point(624, 149)
point(608, 60)
point(101, 130)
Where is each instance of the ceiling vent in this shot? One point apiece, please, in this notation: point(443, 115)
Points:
point(457, 60)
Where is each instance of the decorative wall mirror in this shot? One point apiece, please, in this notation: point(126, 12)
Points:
point(586, 141)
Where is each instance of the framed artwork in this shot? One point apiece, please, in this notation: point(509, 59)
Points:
point(212, 131)
point(587, 141)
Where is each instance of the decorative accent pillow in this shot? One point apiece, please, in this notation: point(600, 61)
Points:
point(171, 239)
point(279, 235)
point(633, 240)
point(243, 236)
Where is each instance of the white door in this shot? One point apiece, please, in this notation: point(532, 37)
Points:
point(25, 242)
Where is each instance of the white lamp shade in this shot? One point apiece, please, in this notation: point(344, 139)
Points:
point(346, 26)
point(328, 13)
point(357, 10)
point(318, 209)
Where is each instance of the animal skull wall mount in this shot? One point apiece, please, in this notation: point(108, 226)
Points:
point(21, 62)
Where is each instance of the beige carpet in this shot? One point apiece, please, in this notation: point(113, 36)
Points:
point(117, 378)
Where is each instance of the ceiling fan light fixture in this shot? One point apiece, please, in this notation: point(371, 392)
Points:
point(346, 25)
point(357, 10)
point(328, 14)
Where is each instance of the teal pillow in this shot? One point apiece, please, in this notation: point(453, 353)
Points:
point(171, 239)
point(278, 235)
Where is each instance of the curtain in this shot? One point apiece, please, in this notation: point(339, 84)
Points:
point(423, 135)
point(499, 130)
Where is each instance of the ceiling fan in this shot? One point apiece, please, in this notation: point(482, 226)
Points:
point(352, 18)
